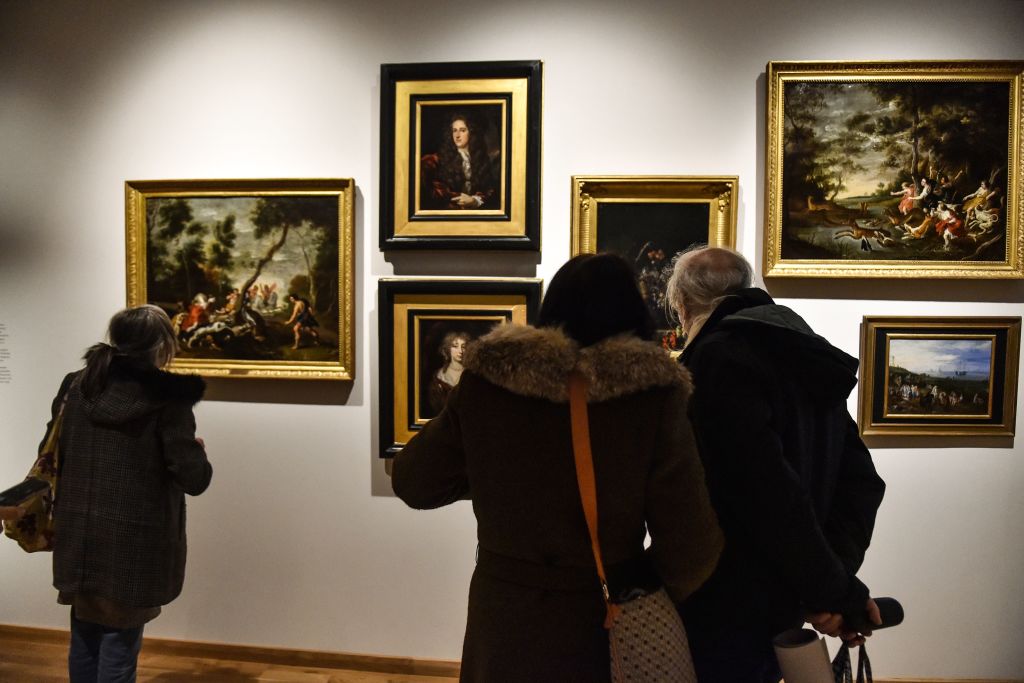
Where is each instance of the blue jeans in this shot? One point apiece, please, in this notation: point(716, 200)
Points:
point(101, 654)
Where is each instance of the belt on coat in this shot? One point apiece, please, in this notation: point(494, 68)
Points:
point(631, 573)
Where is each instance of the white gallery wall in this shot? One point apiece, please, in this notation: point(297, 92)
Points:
point(298, 543)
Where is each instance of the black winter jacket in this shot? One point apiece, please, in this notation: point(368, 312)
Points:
point(128, 456)
point(793, 485)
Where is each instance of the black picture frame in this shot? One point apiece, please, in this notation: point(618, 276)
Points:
point(405, 307)
point(503, 102)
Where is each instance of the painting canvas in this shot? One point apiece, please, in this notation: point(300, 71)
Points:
point(426, 327)
point(256, 279)
point(439, 341)
point(890, 170)
point(933, 376)
point(463, 159)
point(648, 220)
point(460, 155)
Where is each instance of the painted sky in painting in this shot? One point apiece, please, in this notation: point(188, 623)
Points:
point(943, 356)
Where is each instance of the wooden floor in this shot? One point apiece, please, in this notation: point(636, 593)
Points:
point(39, 656)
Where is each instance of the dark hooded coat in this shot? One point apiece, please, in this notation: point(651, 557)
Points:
point(128, 456)
point(793, 485)
point(504, 440)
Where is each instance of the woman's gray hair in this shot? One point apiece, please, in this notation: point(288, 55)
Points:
point(702, 276)
point(144, 332)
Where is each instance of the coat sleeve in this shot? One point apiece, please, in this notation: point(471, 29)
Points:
point(184, 456)
point(431, 470)
point(686, 540)
point(756, 492)
point(858, 495)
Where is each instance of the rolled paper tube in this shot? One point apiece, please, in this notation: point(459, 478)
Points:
point(803, 657)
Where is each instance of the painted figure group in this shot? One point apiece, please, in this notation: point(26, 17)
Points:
point(907, 395)
point(204, 324)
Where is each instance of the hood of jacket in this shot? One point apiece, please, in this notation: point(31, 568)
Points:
point(826, 370)
point(536, 362)
point(135, 389)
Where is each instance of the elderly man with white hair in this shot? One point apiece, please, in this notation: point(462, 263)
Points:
point(793, 485)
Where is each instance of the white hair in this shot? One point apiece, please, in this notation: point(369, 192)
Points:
point(701, 277)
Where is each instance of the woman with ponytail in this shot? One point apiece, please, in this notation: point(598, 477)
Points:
point(128, 453)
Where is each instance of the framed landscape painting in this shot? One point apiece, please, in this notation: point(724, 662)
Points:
point(460, 155)
point(256, 275)
point(425, 327)
point(894, 169)
point(648, 220)
point(940, 376)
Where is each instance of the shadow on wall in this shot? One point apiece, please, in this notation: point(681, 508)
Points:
point(981, 291)
point(278, 391)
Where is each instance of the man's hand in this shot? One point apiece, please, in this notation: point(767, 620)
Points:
point(827, 623)
point(831, 624)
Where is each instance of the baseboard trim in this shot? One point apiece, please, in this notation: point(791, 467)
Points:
point(330, 660)
point(263, 655)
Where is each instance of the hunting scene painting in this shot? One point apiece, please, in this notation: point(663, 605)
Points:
point(249, 279)
point(939, 376)
point(895, 171)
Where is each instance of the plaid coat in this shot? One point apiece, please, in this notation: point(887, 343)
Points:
point(128, 456)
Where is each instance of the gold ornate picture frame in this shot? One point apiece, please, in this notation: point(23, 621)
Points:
point(649, 219)
point(940, 376)
point(460, 155)
point(425, 325)
point(257, 275)
point(894, 170)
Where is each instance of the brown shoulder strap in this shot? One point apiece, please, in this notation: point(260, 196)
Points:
point(585, 479)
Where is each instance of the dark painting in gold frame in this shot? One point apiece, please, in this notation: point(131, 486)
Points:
point(649, 219)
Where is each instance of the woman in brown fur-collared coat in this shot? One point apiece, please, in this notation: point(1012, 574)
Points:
point(535, 607)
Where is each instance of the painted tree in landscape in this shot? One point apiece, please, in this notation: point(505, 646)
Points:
point(185, 256)
point(943, 128)
point(177, 250)
point(801, 176)
point(275, 218)
point(842, 152)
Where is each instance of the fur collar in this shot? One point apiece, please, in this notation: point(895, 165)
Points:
point(157, 384)
point(536, 362)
